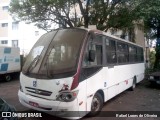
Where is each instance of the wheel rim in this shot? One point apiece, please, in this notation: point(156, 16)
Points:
point(95, 104)
point(8, 78)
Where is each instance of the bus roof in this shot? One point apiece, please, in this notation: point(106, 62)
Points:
point(96, 31)
point(112, 36)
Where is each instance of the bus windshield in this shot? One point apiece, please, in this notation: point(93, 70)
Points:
point(58, 54)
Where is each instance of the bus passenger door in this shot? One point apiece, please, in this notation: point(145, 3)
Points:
point(111, 62)
point(92, 66)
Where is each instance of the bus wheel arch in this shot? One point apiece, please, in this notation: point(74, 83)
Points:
point(97, 103)
point(101, 93)
point(133, 83)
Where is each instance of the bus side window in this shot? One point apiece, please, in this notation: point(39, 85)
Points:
point(122, 52)
point(139, 54)
point(132, 54)
point(96, 46)
point(111, 51)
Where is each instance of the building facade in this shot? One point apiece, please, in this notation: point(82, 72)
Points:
point(15, 33)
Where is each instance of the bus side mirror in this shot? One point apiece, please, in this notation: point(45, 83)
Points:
point(92, 55)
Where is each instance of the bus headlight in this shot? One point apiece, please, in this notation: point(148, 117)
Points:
point(67, 96)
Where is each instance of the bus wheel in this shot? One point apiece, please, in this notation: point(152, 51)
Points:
point(133, 84)
point(7, 78)
point(96, 105)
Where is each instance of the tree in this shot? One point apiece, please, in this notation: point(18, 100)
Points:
point(64, 12)
point(105, 14)
point(117, 15)
point(46, 12)
point(150, 13)
point(154, 25)
point(42, 12)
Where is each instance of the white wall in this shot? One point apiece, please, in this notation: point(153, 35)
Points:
point(25, 34)
point(28, 37)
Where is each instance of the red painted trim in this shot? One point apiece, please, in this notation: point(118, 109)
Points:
point(126, 81)
point(76, 76)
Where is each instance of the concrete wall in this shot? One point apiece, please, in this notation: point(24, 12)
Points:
point(139, 37)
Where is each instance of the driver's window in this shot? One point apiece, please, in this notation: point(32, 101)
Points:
point(96, 45)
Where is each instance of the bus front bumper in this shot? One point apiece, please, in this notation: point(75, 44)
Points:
point(56, 108)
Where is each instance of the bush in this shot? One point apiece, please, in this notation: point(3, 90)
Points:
point(152, 59)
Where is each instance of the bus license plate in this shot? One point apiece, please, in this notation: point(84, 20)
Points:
point(33, 104)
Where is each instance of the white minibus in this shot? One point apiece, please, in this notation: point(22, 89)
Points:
point(76, 70)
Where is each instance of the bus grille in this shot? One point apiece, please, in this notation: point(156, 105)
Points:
point(38, 91)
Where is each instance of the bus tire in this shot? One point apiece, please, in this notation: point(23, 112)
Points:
point(96, 105)
point(8, 78)
point(133, 84)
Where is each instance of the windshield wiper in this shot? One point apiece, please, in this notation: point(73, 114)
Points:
point(33, 63)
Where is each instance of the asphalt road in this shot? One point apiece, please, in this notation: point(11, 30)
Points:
point(143, 98)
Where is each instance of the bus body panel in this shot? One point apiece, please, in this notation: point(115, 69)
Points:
point(94, 83)
point(123, 76)
point(113, 80)
point(82, 98)
point(31, 85)
point(43, 103)
point(56, 108)
point(49, 104)
point(110, 79)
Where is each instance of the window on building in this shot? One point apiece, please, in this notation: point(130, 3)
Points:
point(4, 41)
point(5, 8)
point(132, 54)
point(36, 33)
point(4, 24)
point(14, 43)
point(15, 25)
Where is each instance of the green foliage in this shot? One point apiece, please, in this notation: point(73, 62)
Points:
point(150, 13)
point(157, 55)
point(111, 14)
point(149, 70)
point(117, 14)
point(42, 12)
point(152, 59)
